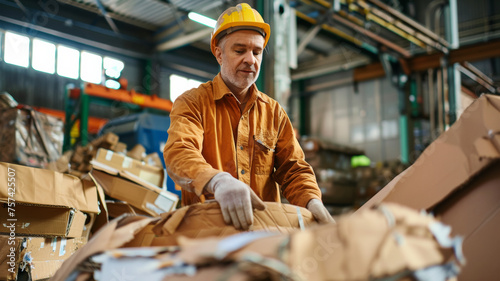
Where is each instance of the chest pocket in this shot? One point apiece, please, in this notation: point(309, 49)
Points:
point(264, 149)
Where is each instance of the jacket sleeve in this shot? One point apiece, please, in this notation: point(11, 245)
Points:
point(183, 159)
point(294, 175)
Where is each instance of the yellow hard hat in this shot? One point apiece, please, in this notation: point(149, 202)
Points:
point(242, 16)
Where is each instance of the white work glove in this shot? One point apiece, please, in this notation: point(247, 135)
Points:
point(236, 200)
point(320, 213)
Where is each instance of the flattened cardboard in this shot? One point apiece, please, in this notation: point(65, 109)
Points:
point(47, 255)
point(45, 187)
point(47, 203)
point(457, 179)
point(119, 162)
point(149, 199)
point(40, 220)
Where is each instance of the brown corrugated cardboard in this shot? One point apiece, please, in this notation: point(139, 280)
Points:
point(46, 202)
point(39, 256)
point(205, 220)
point(153, 159)
point(390, 242)
point(138, 152)
point(118, 208)
point(457, 179)
point(139, 194)
point(120, 147)
point(120, 163)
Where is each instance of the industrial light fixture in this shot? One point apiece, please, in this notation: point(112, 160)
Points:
point(202, 19)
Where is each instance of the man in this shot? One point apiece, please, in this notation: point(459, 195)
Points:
point(229, 142)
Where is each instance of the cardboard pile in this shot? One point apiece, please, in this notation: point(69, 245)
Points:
point(133, 182)
point(46, 216)
point(29, 137)
point(457, 178)
point(389, 242)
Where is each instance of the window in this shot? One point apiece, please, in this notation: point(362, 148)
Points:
point(112, 72)
point(68, 61)
point(91, 68)
point(17, 49)
point(180, 84)
point(44, 56)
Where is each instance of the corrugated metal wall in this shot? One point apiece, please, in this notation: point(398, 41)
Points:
point(366, 118)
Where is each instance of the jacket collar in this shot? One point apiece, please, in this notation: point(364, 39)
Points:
point(221, 90)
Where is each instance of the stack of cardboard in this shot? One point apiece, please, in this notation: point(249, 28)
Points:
point(387, 243)
point(132, 182)
point(457, 178)
point(29, 137)
point(46, 216)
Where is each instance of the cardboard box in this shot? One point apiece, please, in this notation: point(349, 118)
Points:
point(120, 147)
point(140, 194)
point(138, 152)
point(46, 203)
point(153, 159)
point(38, 257)
point(121, 163)
point(457, 178)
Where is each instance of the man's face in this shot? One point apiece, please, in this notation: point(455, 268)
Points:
point(240, 55)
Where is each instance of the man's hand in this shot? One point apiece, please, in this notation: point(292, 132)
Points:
point(319, 211)
point(236, 200)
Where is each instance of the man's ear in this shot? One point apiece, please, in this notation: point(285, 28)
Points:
point(218, 54)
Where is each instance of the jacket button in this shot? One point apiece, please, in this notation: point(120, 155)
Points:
point(241, 147)
point(242, 172)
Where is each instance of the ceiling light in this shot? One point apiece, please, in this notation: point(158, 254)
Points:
point(202, 19)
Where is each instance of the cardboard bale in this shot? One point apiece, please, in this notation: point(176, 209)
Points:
point(138, 152)
point(205, 220)
point(121, 163)
point(46, 203)
point(146, 197)
point(29, 137)
point(37, 257)
point(457, 179)
point(390, 242)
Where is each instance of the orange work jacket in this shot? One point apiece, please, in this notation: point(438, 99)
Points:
point(209, 133)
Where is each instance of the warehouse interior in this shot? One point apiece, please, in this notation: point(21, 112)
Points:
point(391, 100)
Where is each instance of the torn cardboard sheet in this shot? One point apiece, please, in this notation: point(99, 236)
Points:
point(457, 178)
point(389, 241)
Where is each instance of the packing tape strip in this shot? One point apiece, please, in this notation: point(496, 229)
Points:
point(301, 219)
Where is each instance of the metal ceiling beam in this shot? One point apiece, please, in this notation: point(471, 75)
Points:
point(373, 36)
point(475, 52)
point(422, 63)
point(409, 21)
point(112, 15)
point(108, 19)
point(307, 38)
point(184, 40)
point(339, 33)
